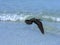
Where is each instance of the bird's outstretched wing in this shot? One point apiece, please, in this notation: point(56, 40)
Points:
point(40, 25)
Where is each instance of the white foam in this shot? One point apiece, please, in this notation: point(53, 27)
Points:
point(23, 17)
point(52, 18)
point(13, 17)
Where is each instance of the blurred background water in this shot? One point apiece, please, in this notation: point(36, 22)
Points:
point(14, 31)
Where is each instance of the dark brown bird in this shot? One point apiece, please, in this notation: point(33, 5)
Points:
point(36, 21)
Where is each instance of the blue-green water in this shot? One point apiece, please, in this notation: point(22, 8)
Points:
point(22, 34)
point(14, 31)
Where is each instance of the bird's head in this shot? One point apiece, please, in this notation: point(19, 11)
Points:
point(28, 22)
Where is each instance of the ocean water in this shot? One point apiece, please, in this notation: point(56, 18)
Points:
point(14, 30)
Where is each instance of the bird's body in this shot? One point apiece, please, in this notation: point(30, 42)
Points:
point(36, 21)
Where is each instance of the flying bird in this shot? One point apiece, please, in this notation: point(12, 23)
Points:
point(37, 22)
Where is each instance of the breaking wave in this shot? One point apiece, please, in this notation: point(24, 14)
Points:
point(23, 17)
point(51, 18)
point(13, 17)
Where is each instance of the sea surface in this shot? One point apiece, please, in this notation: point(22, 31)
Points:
point(14, 30)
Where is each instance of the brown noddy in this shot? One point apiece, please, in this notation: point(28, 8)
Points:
point(36, 21)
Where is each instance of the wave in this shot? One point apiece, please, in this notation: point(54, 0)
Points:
point(13, 17)
point(23, 17)
point(51, 18)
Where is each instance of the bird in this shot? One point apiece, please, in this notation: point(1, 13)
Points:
point(37, 22)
